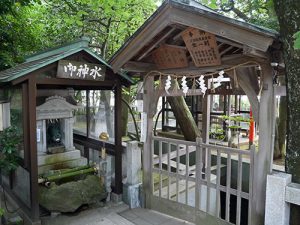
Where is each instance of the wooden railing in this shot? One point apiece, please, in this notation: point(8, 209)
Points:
point(207, 177)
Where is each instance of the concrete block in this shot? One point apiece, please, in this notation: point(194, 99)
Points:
point(131, 195)
point(292, 193)
point(277, 209)
point(133, 155)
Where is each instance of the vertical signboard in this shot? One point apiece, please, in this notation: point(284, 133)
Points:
point(202, 47)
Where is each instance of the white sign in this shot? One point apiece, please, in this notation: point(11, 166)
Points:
point(80, 70)
point(38, 135)
point(144, 127)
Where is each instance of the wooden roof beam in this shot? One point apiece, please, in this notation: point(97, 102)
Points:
point(248, 51)
point(159, 41)
point(219, 28)
point(149, 32)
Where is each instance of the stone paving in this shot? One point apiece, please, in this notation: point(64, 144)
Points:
point(113, 214)
point(141, 216)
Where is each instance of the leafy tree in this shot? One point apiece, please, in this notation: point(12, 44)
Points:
point(108, 22)
point(19, 33)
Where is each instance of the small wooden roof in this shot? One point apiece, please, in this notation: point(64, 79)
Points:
point(43, 59)
point(236, 40)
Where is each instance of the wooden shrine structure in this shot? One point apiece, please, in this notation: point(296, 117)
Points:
point(182, 41)
point(70, 67)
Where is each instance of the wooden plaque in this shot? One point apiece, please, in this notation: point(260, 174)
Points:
point(80, 70)
point(168, 57)
point(202, 47)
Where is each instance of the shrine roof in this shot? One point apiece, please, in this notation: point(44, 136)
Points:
point(42, 59)
point(172, 18)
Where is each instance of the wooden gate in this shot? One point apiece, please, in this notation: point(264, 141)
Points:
point(201, 183)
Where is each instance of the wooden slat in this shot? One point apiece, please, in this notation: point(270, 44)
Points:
point(208, 179)
point(227, 149)
point(228, 183)
point(239, 189)
point(174, 141)
point(187, 162)
point(204, 182)
point(218, 199)
point(198, 174)
point(251, 177)
point(169, 168)
point(152, 169)
point(172, 154)
point(160, 167)
point(177, 172)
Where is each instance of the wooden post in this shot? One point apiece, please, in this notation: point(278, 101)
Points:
point(118, 140)
point(147, 156)
point(263, 159)
point(206, 116)
point(33, 149)
point(25, 106)
point(205, 124)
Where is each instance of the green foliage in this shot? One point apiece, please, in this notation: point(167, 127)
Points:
point(28, 26)
point(297, 40)
point(108, 22)
point(235, 118)
point(20, 34)
point(259, 12)
point(10, 140)
point(217, 132)
point(2, 211)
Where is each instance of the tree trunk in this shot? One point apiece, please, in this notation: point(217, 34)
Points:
point(289, 21)
point(105, 98)
point(184, 118)
point(282, 125)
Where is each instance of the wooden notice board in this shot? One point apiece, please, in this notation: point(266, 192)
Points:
point(80, 70)
point(202, 47)
point(168, 57)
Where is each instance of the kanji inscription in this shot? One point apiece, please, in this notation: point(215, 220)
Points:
point(202, 47)
point(80, 70)
point(166, 57)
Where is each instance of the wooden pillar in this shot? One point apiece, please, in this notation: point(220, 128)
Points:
point(147, 153)
point(118, 140)
point(206, 116)
point(25, 107)
point(33, 148)
point(264, 156)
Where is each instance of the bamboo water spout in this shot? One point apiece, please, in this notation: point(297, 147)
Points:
point(67, 174)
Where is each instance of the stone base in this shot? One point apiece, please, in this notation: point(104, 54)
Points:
point(56, 149)
point(70, 196)
point(131, 195)
point(62, 165)
point(277, 209)
point(59, 157)
point(116, 198)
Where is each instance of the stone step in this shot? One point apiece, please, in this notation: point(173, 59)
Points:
point(62, 165)
point(58, 157)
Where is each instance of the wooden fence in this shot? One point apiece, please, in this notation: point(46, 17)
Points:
point(211, 178)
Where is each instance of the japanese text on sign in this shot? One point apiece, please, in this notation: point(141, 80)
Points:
point(78, 70)
point(202, 47)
